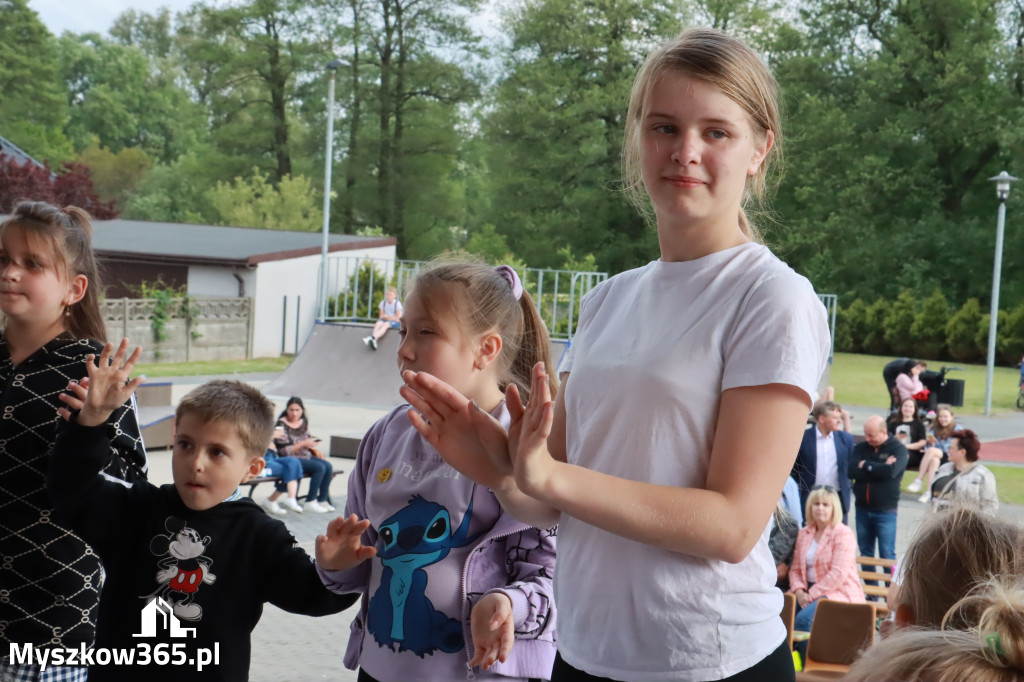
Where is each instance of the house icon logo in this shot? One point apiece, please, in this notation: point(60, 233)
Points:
point(158, 616)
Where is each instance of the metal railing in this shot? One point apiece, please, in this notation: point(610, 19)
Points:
point(356, 286)
point(831, 303)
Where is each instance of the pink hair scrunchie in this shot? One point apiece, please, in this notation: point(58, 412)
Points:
point(510, 275)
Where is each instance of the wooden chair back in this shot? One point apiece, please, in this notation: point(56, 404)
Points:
point(788, 615)
point(839, 633)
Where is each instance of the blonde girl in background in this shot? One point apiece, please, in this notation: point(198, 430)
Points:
point(667, 447)
point(49, 292)
point(434, 554)
point(936, 453)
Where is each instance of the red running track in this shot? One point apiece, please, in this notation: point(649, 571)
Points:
point(1009, 450)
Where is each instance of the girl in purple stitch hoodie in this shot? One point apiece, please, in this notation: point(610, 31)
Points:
point(453, 587)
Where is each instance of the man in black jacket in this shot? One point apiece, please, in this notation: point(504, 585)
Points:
point(876, 469)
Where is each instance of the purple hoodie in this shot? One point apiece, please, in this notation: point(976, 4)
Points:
point(442, 543)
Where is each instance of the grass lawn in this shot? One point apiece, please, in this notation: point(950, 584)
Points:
point(177, 369)
point(858, 381)
point(1009, 482)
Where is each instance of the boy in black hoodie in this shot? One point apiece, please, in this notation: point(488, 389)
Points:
point(196, 550)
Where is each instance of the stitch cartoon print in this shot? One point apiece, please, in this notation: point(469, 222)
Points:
point(399, 612)
point(183, 569)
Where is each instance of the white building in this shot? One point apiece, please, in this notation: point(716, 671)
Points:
point(278, 269)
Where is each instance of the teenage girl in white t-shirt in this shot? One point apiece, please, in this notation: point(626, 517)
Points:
point(666, 452)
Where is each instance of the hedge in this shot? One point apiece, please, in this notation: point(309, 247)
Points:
point(928, 328)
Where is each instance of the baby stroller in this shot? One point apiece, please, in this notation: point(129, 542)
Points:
point(940, 389)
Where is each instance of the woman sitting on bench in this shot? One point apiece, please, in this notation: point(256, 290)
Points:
point(295, 441)
point(824, 559)
point(289, 470)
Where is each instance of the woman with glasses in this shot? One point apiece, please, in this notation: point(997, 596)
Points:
point(824, 560)
point(962, 480)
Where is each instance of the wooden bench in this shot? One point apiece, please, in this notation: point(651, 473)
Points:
point(252, 483)
point(884, 578)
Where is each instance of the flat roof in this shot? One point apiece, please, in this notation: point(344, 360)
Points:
point(145, 241)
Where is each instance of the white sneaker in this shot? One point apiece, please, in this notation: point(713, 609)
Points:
point(272, 506)
point(367, 340)
point(314, 507)
point(328, 506)
point(926, 498)
point(373, 343)
point(915, 486)
point(293, 505)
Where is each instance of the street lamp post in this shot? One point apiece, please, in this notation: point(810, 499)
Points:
point(1002, 181)
point(332, 68)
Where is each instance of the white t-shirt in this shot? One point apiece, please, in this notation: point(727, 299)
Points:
point(654, 349)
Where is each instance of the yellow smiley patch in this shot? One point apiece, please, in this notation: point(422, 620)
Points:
point(383, 475)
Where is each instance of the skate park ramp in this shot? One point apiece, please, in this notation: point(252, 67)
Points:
point(335, 366)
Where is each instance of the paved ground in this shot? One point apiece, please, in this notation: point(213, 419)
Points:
point(289, 647)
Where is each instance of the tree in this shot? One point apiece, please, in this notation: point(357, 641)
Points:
point(32, 104)
point(898, 112)
point(29, 182)
point(254, 202)
point(554, 131)
point(116, 96)
point(115, 176)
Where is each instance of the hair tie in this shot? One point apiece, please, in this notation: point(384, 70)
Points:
point(510, 275)
point(994, 644)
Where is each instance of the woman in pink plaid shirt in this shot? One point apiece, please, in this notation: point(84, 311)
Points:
point(825, 557)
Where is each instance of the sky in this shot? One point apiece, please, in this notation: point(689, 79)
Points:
point(84, 16)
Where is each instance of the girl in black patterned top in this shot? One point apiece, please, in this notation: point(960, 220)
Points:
point(49, 292)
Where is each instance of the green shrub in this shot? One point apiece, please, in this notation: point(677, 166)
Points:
point(928, 333)
point(961, 331)
point(874, 324)
point(898, 320)
point(849, 326)
point(1011, 337)
point(1003, 342)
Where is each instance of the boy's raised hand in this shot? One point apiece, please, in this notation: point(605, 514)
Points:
point(106, 388)
point(493, 628)
point(342, 547)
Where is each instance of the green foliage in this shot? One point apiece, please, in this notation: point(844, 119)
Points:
point(115, 176)
point(874, 323)
point(362, 294)
point(928, 332)
point(254, 202)
point(898, 320)
point(32, 102)
point(170, 303)
point(961, 331)
point(851, 326)
point(177, 192)
point(488, 244)
point(118, 97)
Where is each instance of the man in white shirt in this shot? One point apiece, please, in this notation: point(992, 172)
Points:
point(825, 454)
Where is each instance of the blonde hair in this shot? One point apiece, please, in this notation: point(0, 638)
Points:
point(950, 556)
point(833, 498)
point(245, 407)
point(938, 429)
point(735, 69)
point(990, 650)
point(68, 233)
point(480, 300)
